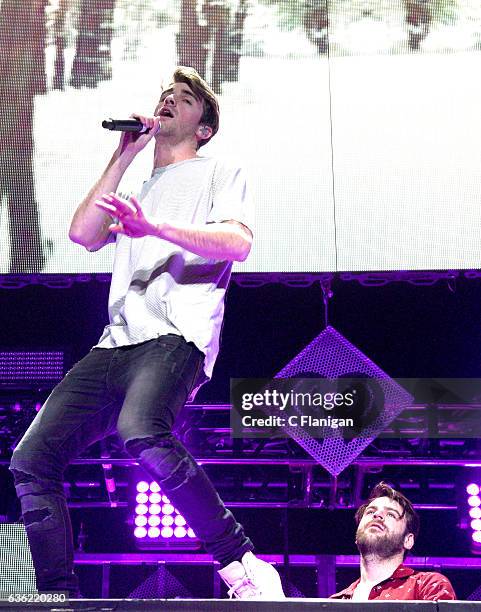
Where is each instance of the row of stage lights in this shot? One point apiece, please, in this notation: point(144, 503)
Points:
point(156, 518)
point(157, 521)
point(474, 502)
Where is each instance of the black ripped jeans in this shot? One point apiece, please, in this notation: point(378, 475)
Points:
point(138, 390)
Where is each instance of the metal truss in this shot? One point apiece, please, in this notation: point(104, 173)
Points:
point(258, 279)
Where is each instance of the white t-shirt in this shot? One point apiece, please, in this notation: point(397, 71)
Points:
point(159, 288)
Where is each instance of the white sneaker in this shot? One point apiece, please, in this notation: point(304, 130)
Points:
point(252, 579)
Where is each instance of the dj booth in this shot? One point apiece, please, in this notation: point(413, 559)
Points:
point(18, 589)
point(289, 605)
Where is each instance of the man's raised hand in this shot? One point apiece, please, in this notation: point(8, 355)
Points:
point(128, 216)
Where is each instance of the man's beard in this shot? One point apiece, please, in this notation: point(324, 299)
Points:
point(383, 545)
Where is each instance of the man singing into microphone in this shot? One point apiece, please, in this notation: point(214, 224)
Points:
point(174, 251)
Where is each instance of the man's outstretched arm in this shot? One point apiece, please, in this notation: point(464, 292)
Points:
point(229, 240)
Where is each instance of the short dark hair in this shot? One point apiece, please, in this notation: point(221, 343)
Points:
point(202, 91)
point(384, 490)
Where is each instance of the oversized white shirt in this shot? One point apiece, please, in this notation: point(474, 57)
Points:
point(159, 288)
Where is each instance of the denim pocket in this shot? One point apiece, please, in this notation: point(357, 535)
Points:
point(199, 376)
point(170, 342)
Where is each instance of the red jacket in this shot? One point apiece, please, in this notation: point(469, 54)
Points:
point(406, 583)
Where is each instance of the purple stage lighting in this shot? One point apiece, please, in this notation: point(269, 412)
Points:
point(158, 524)
point(167, 532)
point(140, 532)
point(154, 532)
point(142, 486)
point(472, 489)
point(475, 513)
point(472, 497)
point(180, 532)
point(474, 501)
point(154, 520)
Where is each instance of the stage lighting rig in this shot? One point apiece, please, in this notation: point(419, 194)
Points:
point(157, 523)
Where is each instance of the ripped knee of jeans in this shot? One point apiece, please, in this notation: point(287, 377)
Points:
point(35, 516)
point(30, 484)
point(165, 459)
point(136, 446)
point(21, 477)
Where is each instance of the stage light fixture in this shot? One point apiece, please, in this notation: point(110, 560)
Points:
point(154, 520)
point(167, 532)
point(142, 486)
point(154, 532)
point(157, 522)
point(472, 488)
point(469, 504)
point(140, 532)
point(474, 501)
point(468, 490)
point(180, 532)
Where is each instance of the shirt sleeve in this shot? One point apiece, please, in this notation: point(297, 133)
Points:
point(230, 198)
point(434, 586)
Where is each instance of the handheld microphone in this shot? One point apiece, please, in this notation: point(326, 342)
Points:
point(125, 125)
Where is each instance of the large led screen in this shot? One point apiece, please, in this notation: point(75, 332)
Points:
point(357, 122)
